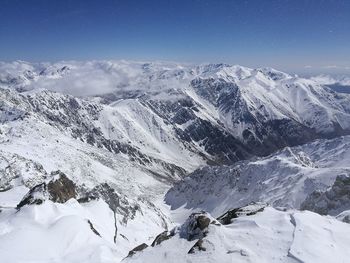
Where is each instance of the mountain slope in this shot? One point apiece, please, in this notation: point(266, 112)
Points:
point(268, 236)
point(256, 111)
point(285, 178)
point(122, 133)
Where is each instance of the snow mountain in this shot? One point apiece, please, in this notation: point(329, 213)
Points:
point(117, 152)
point(255, 111)
point(313, 176)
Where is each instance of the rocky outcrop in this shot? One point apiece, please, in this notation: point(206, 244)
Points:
point(60, 189)
point(104, 191)
point(93, 229)
point(137, 249)
point(344, 216)
point(196, 226)
point(332, 201)
point(15, 169)
point(248, 210)
point(115, 201)
point(198, 246)
point(36, 196)
point(162, 237)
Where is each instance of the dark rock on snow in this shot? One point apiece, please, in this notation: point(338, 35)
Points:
point(198, 246)
point(35, 196)
point(93, 228)
point(248, 210)
point(196, 226)
point(162, 237)
point(137, 249)
point(59, 190)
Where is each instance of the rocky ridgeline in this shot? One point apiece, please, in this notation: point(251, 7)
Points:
point(60, 189)
point(196, 227)
point(231, 112)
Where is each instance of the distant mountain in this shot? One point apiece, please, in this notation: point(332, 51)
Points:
point(255, 111)
point(339, 84)
point(332, 79)
point(94, 146)
point(314, 176)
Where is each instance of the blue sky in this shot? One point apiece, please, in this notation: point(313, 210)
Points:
point(292, 35)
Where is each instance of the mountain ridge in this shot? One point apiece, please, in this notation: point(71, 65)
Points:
point(126, 133)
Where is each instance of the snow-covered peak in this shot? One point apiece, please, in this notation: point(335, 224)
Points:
point(88, 150)
point(240, 101)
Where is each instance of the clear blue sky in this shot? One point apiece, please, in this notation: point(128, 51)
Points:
point(293, 35)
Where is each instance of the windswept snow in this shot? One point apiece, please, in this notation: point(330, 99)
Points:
point(54, 232)
point(268, 236)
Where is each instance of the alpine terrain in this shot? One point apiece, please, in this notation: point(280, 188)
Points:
point(124, 161)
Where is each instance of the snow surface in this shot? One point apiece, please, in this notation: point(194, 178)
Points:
point(130, 105)
point(268, 236)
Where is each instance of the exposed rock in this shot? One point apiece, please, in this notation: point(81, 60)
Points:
point(202, 245)
point(214, 222)
point(159, 239)
point(58, 190)
point(61, 189)
point(93, 229)
point(203, 222)
point(344, 216)
point(137, 249)
point(248, 210)
point(123, 236)
point(36, 196)
point(198, 246)
point(87, 199)
point(196, 226)
point(104, 191)
point(16, 169)
point(333, 201)
point(162, 237)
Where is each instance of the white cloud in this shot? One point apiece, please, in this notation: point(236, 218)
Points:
point(331, 66)
point(100, 77)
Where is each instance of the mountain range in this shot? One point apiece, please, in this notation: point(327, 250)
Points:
point(98, 158)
